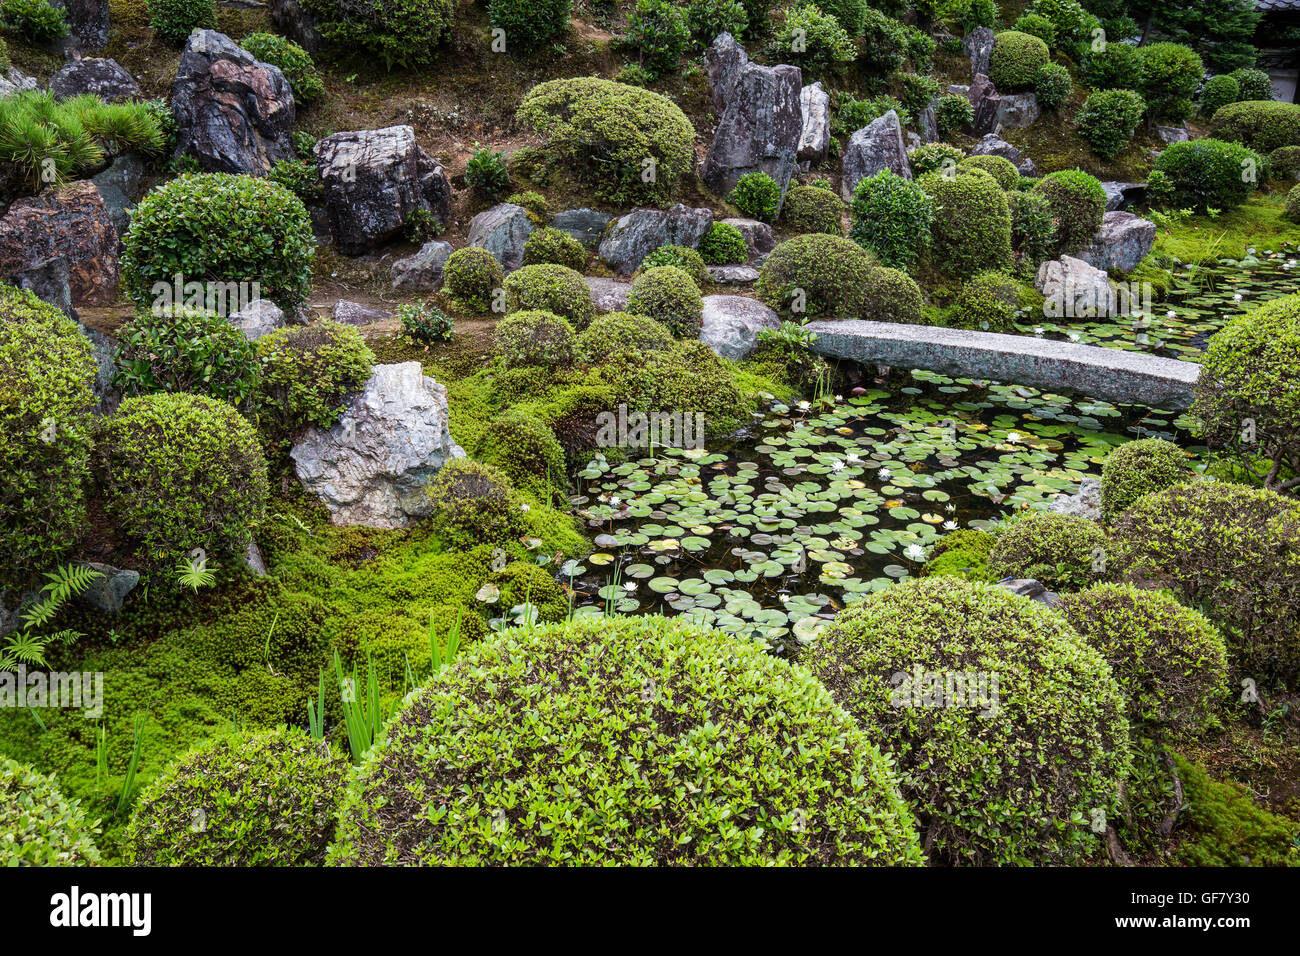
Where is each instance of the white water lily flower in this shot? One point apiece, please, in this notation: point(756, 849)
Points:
point(1013, 436)
point(629, 585)
point(1038, 330)
point(523, 507)
point(1074, 336)
point(1171, 314)
point(949, 525)
point(615, 500)
point(1237, 297)
point(914, 552)
point(852, 459)
point(884, 474)
point(837, 465)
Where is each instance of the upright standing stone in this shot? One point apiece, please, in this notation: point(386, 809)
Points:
point(978, 45)
point(878, 145)
point(815, 140)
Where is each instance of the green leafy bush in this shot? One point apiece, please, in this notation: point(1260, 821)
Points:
point(607, 131)
point(300, 177)
point(953, 113)
point(933, 157)
point(688, 377)
point(1116, 66)
point(474, 503)
point(1037, 25)
point(185, 350)
point(1033, 230)
point(1053, 86)
point(181, 472)
point(486, 172)
point(293, 61)
point(1078, 203)
point(1205, 173)
point(1138, 468)
point(220, 229)
point(530, 23)
point(891, 295)
point(1062, 552)
point(1074, 24)
point(824, 274)
point(1016, 60)
point(884, 44)
point(802, 787)
point(658, 31)
point(963, 554)
point(890, 216)
point(308, 371)
point(810, 209)
point(669, 296)
point(996, 166)
point(813, 40)
point(1217, 92)
point(1253, 84)
point(616, 332)
point(986, 303)
point(707, 19)
point(39, 826)
point(1284, 163)
point(1108, 119)
point(5, 63)
point(550, 245)
point(471, 277)
point(852, 114)
point(402, 33)
point(850, 14)
point(425, 323)
point(686, 259)
point(175, 20)
point(550, 288)
point(47, 378)
point(917, 91)
point(724, 244)
point(756, 195)
point(1230, 551)
point(915, 664)
point(971, 228)
point(1263, 125)
point(526, 451)
point(535, 338)
point(256, 798)
point(35, 20)
point(1170, 661)
point(1171, 75)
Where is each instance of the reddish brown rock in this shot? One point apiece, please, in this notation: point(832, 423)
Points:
point(71, 222)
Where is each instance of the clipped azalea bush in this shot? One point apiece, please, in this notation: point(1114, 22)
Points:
point(1171, 75)
point(1108, 119)
point(403, 34)
point(550, 288)
point(471, 277)
point(308, 371)
point(1209, 173)
point(255, 798)
point(1062, 552)
point(963, 553)
point(535, 338)
point(1138, 468)
point(891, 295)
point(1078, 203)
point(971, 228)
point(185, 350)
point(986, 303)
point(174, 20)
point(39, 826)
point(551, 245)
point(670, 297)
point(1007, 730)
point(1053, 86)
point(724, 244)
point(816, 276)
point(760, 766)
point(1016, 60)
point(530, 23)
point(812, 209)
point(756, 195)
point(683, 257)
point(474, 503)
point(1263, 125)
point(618, 332)
point(998, 167)
point(891, 217)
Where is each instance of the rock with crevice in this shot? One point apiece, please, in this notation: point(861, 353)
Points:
point(72, 222)
point(758, 236)
point(985, 101)
point(723, 61)
point(121, 187)
point(422, 272)
point(730, 324)
point(1018, 109)
point(297, 24)
point(14, 81)
point(1119, 194)
point(1121, 243)
point(1084, 503)
point(608, 295)
point(878, 145)
point(585, 225)
point(994, 145)
point(634, 236)
point(502, 231)
point(107, 593)
point(978, 46)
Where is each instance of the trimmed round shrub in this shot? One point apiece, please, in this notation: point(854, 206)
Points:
point(822, 44)
point(723, 244)
point(996, 166)
point(535, 338)
point(686, 259)
point(1074, 24)
point(891, 295)
point(1253, 84)
point(1138, 468)
point(1116, 66)
point(308, 371)
point(934, 157)
point(1250, 372)
point(616, 332)
point(471, 277)
point(824, 274)
point(47, 379)
point(1293, 204)
point(550, 288)
point(1078, 204)
point(402, 33)
point(757, 195)
point(971, 230)
point(1037, 25)
point(181, 472)
point(1284, 163)
point(986, 302)
point(687, 377)
point(916, 664)
point(526, 451)
point(1033, 230)
point(801, 785)
point(1016, 60)
point(1108, 119)
point(812, 209)
point(39, 826)
point(219, 229)
point(1217, 92)
point(174, 20)
point(953, 113)
point(963, 554)
point(185, 350)
point(891, 216)
point(669, 296)
point(659, 32)
point(292, 60)
point(1209, 172)
point(1263, 125)
point(530, 23)
point(474, 503)
point(1232, 552)
point(607, 131)
point(1053, 86)
point(1170, 662)
point(1057, 550)
point(550, 245)
point(256, 798)
point(1171, 75)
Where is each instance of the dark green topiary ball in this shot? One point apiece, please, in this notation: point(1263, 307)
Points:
point(669, 296)
point(1138, 468)
point(1062, 552)
point(550, 288)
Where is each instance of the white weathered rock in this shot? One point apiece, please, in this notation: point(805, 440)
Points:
point(1121, 243)
point(1084, 503)
point(758, 235)
point(502, 231)
point(731, 323)
point(354, 313)
point(733, 275)
point(1018, 109)
point(1074, 288)
point(371, 467)
point(14, 81)
point(878, 145)
point(608, 295)
point(815, 140)
point(978, 45)
point(1172, 134)
point(261, 317)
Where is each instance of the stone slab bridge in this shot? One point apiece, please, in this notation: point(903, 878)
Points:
point(1112, 375)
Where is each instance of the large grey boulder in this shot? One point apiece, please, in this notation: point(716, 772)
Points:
point(1172, 134)
point(815, 138)
point(878, 145)
point(348, 312)
point(760, 128)
point(261, 317)
point(422, 272)
point(993, 145)
point(986, 102)
point(120, 188)
point(374, 181)
point(1121, 243)
point(103, 78)
point(1084, 503)
point(642, 231)
point(978, 45)
point(502, 231)
point(108, 591)
point(1074, 288)
point(608, 295)
point(49, 281)
point(927, 121)
point(1117, 193)
point(758, 235)
point(585, 225)
point(731, 323)
point(723, 61)
point(70, 221)
point(233, 114)
point(297, 24)
point(1018, 109)
point(371, 467)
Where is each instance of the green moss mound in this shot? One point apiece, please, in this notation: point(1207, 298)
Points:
point(670, 297)
point(474, 503)
point(681, 746)
point(1138, 468)
point(963, 554)
point(307, 373)
point(1221, 825)
point(617, 332)
point(550, 288)
point(39, 826)
point(810, 209)
point(1059, 551)
point(526, 451)
point(1011, 776)
point(986, 302)
point(891, 295)
point(471, 277)
point(535, 338)
point(550, 245)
